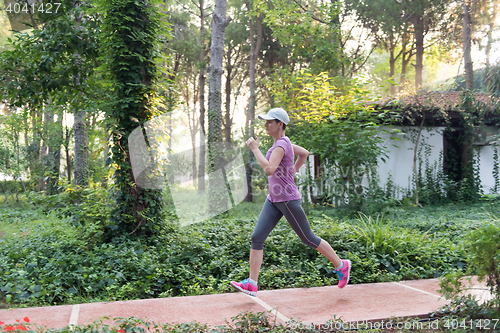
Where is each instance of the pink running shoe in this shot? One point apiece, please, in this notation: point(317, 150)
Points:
point(245, 286)
point(343, 273)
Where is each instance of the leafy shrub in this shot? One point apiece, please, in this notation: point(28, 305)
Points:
point(14, 186)
point(404, 252)
point(88, 209)
point(483, 255)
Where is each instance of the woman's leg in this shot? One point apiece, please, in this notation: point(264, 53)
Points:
point(298, 221)
point(268, 219)
point(255, 262)
point(325, 249)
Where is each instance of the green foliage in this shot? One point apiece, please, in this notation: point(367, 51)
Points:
point(308, 41)
point(483, 256)
point(88, 209)
point(403, 252)
point(13, 157)
point(486, 80)
point(13, 186)
point(41, 66)
point(484, 251)
point(333, 118)
point(59, 258)
point(434, 186)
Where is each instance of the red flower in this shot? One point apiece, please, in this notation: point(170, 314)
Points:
point(21, 327)
point(1, 323)
point(121, 331)
point(9, 328)
point(26, 319)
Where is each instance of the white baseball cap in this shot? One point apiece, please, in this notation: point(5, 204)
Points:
point(276, 113)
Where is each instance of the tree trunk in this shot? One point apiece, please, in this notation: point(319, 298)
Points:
point(254, 52)
point(56, 152)
point(228, 121)
point(201, 168)
point(405, 60)
point(81, 149)
point(215, 150)
point(392, 64)
point(491, 27)
point(81, 135)
point(67, 138)
point(41, 177)
point(46, 154)
point(467, 38)
point(193, 129)
point(34, 147)
point(489, 43)
point(419, 41)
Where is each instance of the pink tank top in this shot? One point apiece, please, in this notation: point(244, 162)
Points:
point(281, 184)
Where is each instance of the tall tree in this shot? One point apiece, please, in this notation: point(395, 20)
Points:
point(386, 20)
point(45, 153)
point(428, 16)
point(131, 42)
point(216, 152)
point(202, 64)
point(418, 25)
point(467, 43)
point(40, 67)
point(316, 35)
point(234, 58)
point(254, 53)
point(407, 52)
point(490, 11)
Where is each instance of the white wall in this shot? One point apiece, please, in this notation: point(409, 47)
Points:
point(399, 163)
point(486, 162)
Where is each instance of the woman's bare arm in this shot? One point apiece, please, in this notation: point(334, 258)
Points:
point(270, 166)
point(302, 154)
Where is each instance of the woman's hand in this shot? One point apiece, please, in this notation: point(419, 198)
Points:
point(252, 144)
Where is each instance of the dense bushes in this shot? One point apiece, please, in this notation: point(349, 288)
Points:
point(54, 259)
point(483, 255)
point(85, 208)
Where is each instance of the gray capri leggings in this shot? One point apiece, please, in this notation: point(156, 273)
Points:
point(271, 214)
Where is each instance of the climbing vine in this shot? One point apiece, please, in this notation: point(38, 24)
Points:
point(496, 171)
point(131, 39)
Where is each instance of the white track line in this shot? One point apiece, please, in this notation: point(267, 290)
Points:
point(420, 290)
point(269, 308)
point(75, 311)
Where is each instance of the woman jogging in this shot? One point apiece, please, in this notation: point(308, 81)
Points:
point(283, 199)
